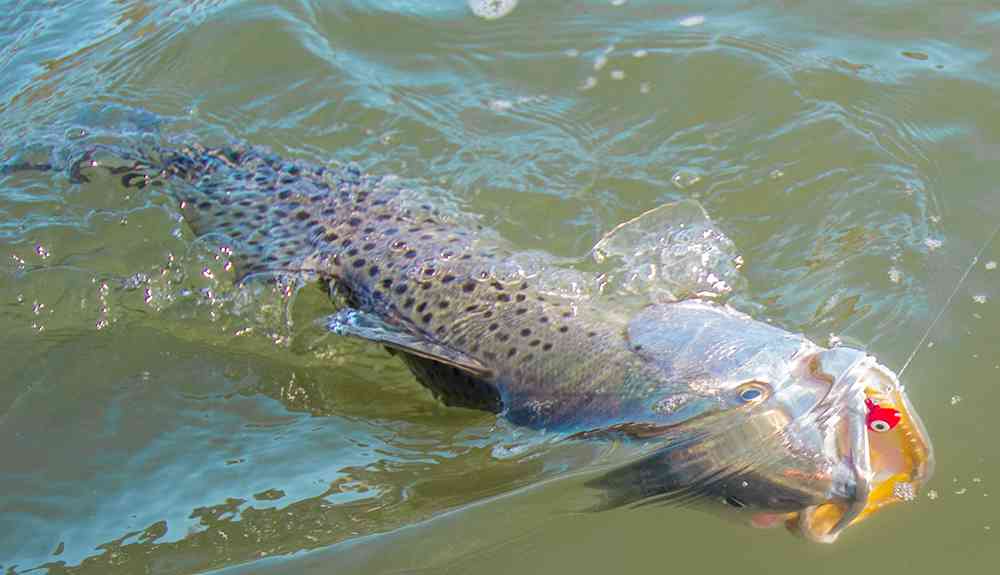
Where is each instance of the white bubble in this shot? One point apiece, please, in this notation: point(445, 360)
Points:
point(991, 265)
point(501, 105)
point(639, 53)
point(572, 52)
point(589, 83)
point(492, 9)
point(895, 276)
point(618, 2)
point(956, 399)
point(644, 87)
point(600, 62)
point(617, 74)
point(933, 243)
point(932, 494)
point(979, 298)
point(692, 21)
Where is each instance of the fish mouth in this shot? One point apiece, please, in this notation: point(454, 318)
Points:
point(887, 467)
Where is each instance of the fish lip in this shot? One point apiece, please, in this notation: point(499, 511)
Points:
point(867, 378)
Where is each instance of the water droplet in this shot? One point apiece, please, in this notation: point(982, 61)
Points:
point(617, 74)
point(933, 243)
point(589, 83)
point(639, 53)
point(685, 179)
point(692, 21)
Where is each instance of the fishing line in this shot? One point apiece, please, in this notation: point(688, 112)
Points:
point(947, 302)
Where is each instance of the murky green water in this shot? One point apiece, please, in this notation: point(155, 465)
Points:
point(155, 419)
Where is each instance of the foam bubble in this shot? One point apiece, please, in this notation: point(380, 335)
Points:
point(492, 9)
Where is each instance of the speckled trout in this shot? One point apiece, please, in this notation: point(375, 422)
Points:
point(763, 421)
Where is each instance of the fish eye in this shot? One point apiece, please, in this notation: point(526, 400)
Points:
point(879, 426)
point(752, 391)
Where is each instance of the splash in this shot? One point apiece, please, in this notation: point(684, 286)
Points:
point(492, 9)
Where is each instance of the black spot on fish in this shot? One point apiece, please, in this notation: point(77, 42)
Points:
point(591, 333)
point(387, 282)
point(426, 285)
point(493, 326)
point(534, 342)
point(284, 194)
point(410, 254)
point(427, 317)
point(563, 329)
point(520, 311)
point(368, 230)
point(204, 205)
point(353, 252)
point(447, 278)
point(373, 271)
point(567, 314)
point(354, 222)
point(331, 237)
point(520, 297)
point(368, 247)
point(390, 232)
point(512, 352)
point(488, 314)
point(409, 302)
point(503, 336)
point(543, 319)
point(443, 304)
point(400, 289)
point(503, 297)
point(421, 307)
point(547, 346)
point(469, 286)
point(429, 271)
point(525, 332)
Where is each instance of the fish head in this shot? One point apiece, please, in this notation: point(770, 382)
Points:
point(771, 426)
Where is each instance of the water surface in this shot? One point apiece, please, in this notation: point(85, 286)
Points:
point(156, 419)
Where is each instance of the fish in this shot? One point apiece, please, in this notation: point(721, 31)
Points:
point(750, 418)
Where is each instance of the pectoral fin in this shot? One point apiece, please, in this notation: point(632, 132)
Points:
point(356, 323)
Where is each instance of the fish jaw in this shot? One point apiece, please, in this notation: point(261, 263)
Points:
point(888, 467)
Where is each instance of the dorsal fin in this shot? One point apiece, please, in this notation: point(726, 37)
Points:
point(671, 252)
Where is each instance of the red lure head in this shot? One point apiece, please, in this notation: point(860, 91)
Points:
point(880, 419)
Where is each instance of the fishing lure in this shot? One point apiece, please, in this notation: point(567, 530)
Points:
point(881, 419)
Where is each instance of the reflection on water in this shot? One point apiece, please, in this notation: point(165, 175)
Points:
point(157, 418)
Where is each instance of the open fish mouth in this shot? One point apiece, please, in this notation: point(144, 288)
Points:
point(888, 466)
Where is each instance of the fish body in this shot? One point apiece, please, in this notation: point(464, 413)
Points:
point(744, 413)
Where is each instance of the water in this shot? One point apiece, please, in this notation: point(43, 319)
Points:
point(157, 419)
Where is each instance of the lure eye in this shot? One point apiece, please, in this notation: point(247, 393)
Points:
point(752, 392)
point(879, 425)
